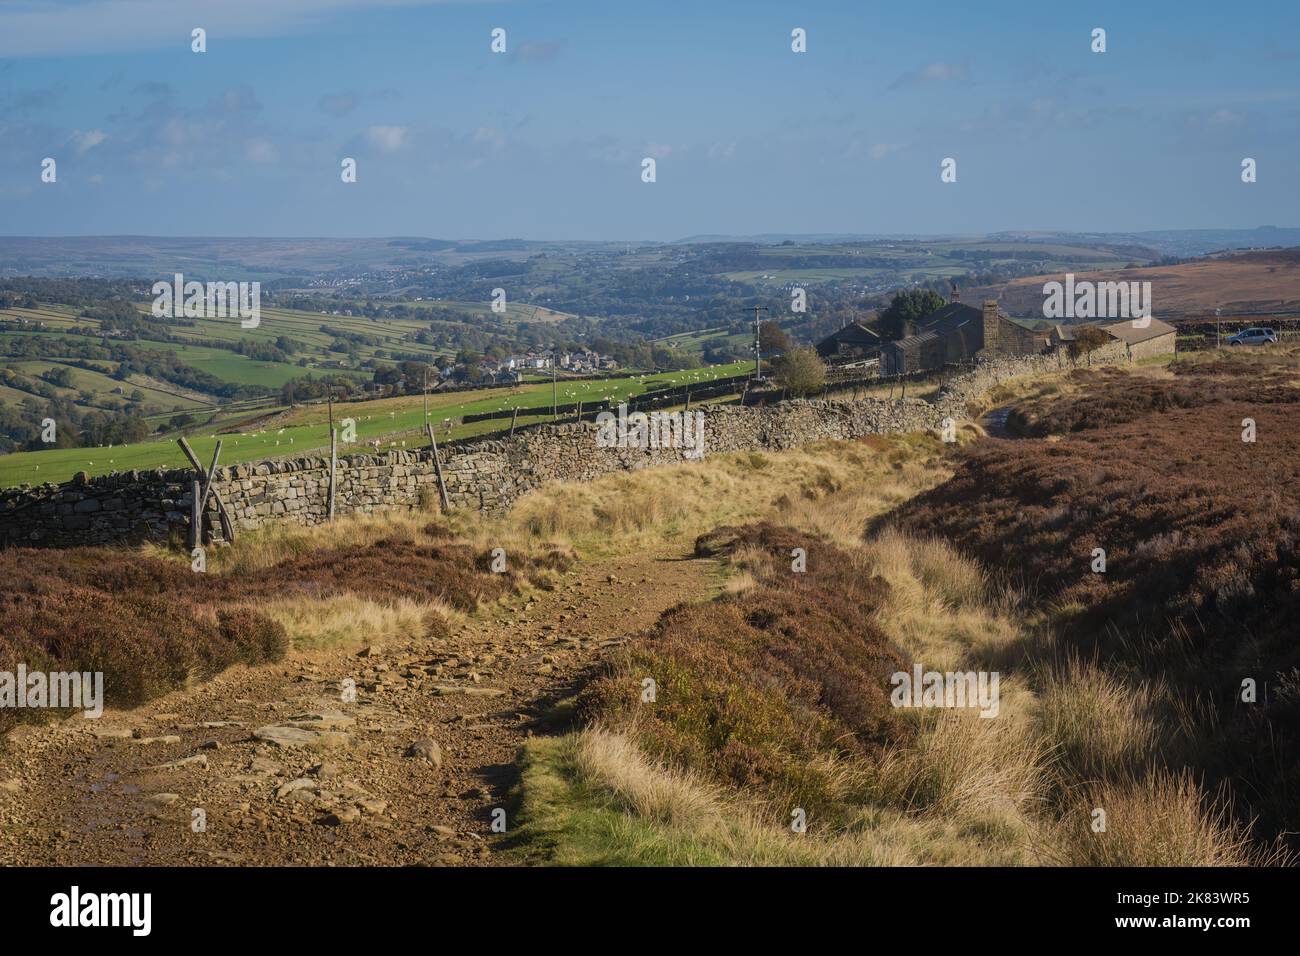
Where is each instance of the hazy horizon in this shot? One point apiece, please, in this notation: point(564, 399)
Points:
point(769, 236)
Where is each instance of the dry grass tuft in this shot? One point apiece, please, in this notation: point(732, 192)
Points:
point(1157, 820)
point(349, 621)
point(1098, 728)
point(964, 766)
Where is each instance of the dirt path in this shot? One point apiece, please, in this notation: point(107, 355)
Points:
point(288, 772)
point(994, 422)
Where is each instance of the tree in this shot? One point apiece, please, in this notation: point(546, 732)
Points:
point(771, 339)
point(800, 371)
point(906, 308)
point(1086, 341)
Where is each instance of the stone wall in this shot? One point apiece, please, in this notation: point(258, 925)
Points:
point(1154, 347)
point(485, 475)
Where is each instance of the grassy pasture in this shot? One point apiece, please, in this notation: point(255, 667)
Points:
point(306, 429)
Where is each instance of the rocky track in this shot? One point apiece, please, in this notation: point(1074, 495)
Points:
point(282, 765)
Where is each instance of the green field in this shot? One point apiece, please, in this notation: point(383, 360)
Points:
point(390, 421)
point(697, 342)
point(103, 386)
point(225, 365)
point(303, 328)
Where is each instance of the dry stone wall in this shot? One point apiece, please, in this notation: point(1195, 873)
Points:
point(486, 475)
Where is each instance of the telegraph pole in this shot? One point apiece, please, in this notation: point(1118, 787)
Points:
point(758, 357)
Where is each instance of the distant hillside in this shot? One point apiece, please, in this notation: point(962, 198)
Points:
point(1238, 283)
point(236, 258)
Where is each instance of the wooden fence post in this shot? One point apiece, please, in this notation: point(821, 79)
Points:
point(196, 518)
point(207, 485)
point(514, 418)
point(334, 465)
point(437, 471)
point(227, 520)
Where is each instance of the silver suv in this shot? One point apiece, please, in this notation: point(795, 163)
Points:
point(1260, 336)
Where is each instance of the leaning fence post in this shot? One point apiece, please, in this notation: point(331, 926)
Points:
point(514, 418)
point(437, 471)
point(227, 520)
point(207, 485)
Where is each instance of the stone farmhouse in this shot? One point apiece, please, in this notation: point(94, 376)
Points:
point(960, 333)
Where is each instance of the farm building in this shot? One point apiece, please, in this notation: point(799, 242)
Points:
point(1129, 340)
point(855, 340)
point(960, 333)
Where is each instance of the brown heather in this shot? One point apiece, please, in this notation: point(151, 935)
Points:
point(152, 625)
point(776, 688)
point(1112, 397)
point(1202, 584)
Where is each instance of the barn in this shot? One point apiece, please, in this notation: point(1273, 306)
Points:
point(855, 340)
point(1130, 340)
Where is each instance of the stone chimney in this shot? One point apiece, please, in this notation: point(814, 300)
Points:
point(990, 325)
point(956, 294)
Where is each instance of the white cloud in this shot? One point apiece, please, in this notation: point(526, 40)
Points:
point(931, 73)
point(1225, 118)
point(490, 137)
point(339, 104)
point(386, 139)
point(84, 142)
point(261, 150)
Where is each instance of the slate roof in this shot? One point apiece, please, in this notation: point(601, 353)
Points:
point(912, 341)
point(952, 316)
point(1132, 334)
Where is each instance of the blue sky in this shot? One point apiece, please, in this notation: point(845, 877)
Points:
point(546, 141)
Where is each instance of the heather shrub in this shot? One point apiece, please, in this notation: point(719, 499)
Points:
point(152, 625)
point(781, 687)
point(254, 638)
